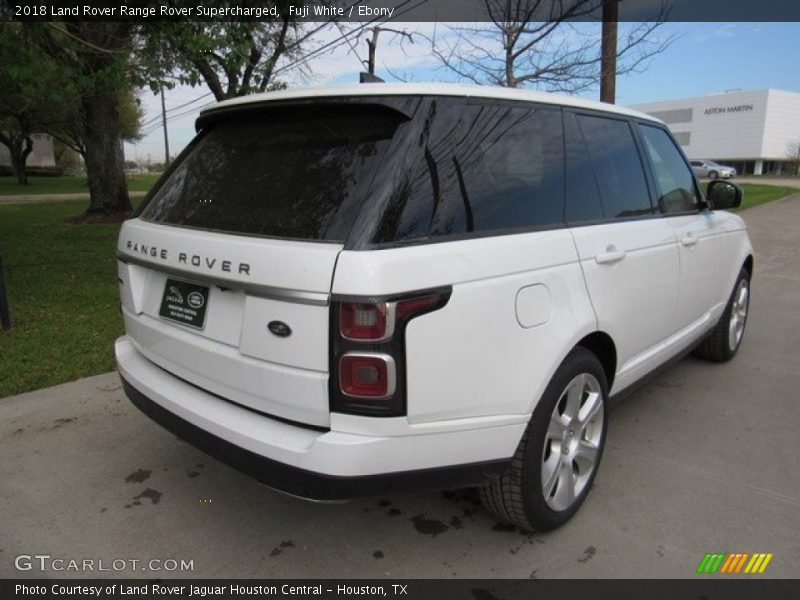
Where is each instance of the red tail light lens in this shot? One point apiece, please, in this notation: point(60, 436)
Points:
point(368, 350)
point(408, 308)
point(366, 322)
point(367, 375)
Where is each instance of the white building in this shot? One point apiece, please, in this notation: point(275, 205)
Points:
point(42, 156)
point(752, 131)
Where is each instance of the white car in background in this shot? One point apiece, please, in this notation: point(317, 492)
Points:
point(366, 289)
point(708, 169)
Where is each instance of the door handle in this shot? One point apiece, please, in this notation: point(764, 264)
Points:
point(610, 256)
point(689, 240)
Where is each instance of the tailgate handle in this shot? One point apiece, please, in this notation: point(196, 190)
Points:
point(610, 256)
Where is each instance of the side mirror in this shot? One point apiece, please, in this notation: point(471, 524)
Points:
point(724, 195)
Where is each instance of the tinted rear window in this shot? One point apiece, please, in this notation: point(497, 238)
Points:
point(301, 172)
point(583, 195)
point(477, 166)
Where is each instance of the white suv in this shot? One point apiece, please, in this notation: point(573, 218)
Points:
point(356, 290)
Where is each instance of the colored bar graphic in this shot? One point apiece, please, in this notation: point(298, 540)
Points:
point(711, 562)
point(726, 566)
point(724, 563)
point(764, 564)
point(741, 562)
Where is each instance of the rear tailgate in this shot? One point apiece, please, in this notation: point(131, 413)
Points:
point(242, 284)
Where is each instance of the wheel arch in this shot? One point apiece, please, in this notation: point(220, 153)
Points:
point(602, 346)
point(748, 265)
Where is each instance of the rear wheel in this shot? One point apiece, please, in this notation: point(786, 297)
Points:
point(724, 340)
point(557, 460)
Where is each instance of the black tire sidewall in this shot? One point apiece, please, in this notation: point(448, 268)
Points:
point(538, 512)
point(743, 275)
point(712, 175)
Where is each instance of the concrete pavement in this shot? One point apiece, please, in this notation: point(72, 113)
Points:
point(703, 459)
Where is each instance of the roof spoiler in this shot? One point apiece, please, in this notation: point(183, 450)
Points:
point(212, 115)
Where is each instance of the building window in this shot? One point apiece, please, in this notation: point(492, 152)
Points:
point(684, 138)
point(683, 115)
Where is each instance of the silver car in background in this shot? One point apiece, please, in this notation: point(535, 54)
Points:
point(710, 170)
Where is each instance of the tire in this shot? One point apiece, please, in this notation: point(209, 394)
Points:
point(713, 175)
point(518, 496)
point(724, 340)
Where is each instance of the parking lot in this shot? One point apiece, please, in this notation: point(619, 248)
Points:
point(702, 459)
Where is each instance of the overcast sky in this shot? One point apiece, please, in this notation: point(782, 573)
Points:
point(705, 58)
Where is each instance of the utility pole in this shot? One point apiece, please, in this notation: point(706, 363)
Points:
point(608, 52)
point(164, 123)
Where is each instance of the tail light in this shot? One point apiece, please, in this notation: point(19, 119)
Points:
point(366, 375)
point(366, 322)
point(368, 351)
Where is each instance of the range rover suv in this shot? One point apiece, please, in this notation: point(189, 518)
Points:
point(355, 290)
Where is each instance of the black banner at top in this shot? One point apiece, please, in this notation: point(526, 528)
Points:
point(394, 10)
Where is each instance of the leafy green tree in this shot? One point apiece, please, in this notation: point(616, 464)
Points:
point(231, 58)
point(96, 58)
point(67, 124)
point(29, 86)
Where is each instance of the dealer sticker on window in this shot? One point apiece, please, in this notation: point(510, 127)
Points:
point(184, 303)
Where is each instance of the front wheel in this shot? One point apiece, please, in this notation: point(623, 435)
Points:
point(724, 340)
point(712, 175)
point(556, 462)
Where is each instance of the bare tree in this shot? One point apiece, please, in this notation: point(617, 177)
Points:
point(549, 44)
point(793, 154)
point(372, 44)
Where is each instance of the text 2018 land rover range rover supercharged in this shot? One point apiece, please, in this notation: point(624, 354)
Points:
point(352, 290)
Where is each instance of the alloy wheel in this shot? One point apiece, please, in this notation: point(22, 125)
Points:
point(572, 442)
point(738, 314)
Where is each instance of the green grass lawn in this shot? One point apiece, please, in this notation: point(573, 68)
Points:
point(67, 185)
point(62, 287)
point(757, 193)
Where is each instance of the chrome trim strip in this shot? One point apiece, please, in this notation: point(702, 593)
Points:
point(253, 289)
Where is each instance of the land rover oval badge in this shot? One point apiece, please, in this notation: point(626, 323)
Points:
point(279, 328)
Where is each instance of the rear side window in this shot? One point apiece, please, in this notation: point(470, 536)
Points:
point(617, 166)
point(299, 172)
point(583, 195)
point(676, 191)
point(478, 167)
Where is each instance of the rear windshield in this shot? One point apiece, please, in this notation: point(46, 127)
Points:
point(296, 172)
point(372, 171)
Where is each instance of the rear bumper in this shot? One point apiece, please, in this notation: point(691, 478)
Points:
point(320, 465)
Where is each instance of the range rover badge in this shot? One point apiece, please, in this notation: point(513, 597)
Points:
point(279, 328)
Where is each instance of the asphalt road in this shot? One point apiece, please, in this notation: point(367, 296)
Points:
point(702, 459)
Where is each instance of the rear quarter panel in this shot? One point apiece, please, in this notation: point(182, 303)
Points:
point(473, 358)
